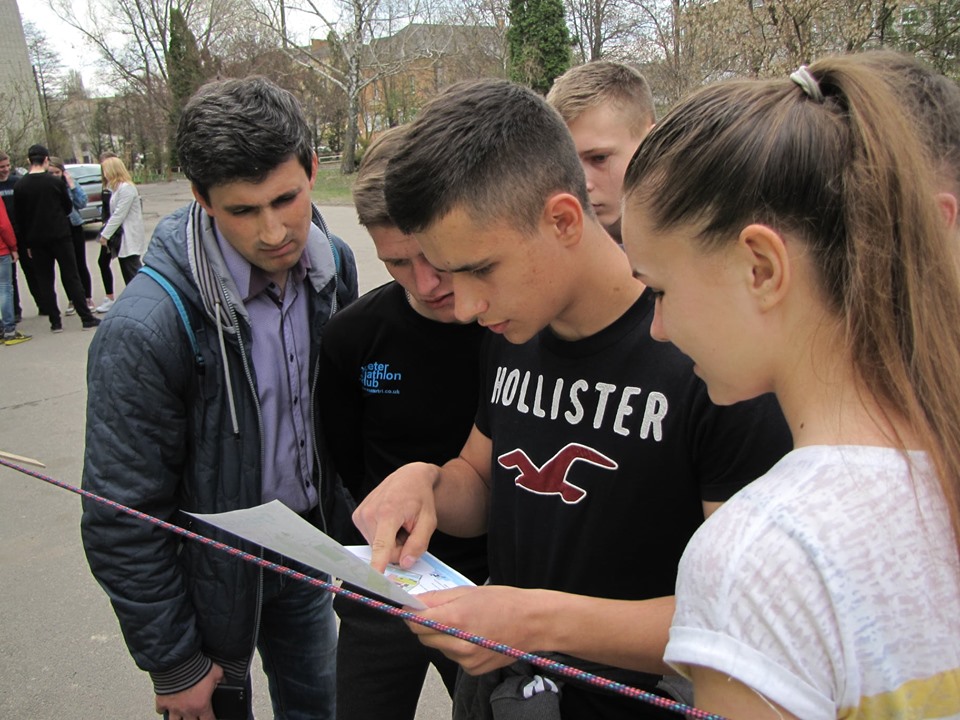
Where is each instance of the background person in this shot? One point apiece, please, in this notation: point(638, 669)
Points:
point(934, 100)
point(8, 178)
point(43, 205)
point(104, 258)
point(791, 229)
point(608, 108)
point(126, 213)
point(79, 199)
point(8, 256)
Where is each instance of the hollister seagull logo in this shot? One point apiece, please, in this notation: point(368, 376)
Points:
point(551, 479)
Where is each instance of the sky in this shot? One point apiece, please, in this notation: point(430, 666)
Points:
point(74, 52)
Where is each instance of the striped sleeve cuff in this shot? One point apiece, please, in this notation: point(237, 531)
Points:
point(182, 677)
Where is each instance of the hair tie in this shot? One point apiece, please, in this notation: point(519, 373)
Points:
point(807, 82)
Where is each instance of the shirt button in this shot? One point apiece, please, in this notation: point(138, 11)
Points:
point(301, 443)
point(296, 400)
point(291, 357)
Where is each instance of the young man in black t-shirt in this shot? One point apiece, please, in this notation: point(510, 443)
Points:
point(401, 383)
point(596, 451)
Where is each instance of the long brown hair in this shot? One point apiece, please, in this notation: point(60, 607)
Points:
point(840, 167)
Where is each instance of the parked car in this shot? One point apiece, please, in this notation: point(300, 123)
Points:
point(91, 180)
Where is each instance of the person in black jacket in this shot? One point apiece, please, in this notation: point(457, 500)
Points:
point(42, 209)
point(259, 275)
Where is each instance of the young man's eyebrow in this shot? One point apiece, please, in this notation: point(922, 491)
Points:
point(288, 195)
point(469, 267)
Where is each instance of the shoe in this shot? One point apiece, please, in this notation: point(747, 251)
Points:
point(58, 328)
point(70, 309)
point(15, 338)
point(91, 323)
point(104, 306)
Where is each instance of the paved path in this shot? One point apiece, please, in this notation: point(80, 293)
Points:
point(61, 653)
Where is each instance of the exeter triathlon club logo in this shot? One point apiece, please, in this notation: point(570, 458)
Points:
point(379, 379)
point(551, 478)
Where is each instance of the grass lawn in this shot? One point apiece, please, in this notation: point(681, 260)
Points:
point(331, 187)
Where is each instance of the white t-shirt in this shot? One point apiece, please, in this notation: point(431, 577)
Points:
point(831, 586)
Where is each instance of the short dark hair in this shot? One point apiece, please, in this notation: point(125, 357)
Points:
point(240, 130)
point(36, 154)
point(490, 147)
point(368, 195)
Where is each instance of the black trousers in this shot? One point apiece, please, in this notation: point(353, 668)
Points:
point(30, 275)
point(43, 255)
point(80, 252)
point(106, 274)
point(129, 266)
point(381, 665)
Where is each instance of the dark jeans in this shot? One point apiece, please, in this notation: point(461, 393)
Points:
point(43, 256)
point(7, 324)
point(17, 310)
point(106, 274)
point(129, 266)
point(80, 252)
point(298, 647)
point(381, 665)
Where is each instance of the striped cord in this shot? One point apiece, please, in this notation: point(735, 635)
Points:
point(543, 663)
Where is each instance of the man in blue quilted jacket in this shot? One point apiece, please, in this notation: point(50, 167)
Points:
point(229, 426)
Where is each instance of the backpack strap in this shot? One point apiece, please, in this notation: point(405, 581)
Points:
point(178, 302)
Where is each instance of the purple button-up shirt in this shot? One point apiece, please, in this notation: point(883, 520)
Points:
point(280, 349)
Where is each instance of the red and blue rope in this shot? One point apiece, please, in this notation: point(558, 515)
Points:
point(535, 660)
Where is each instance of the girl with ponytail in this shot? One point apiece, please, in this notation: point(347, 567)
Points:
point(791, 231)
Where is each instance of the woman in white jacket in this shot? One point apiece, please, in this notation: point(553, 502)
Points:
point(126, 213)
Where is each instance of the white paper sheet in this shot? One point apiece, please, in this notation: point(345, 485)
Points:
point(278, 528)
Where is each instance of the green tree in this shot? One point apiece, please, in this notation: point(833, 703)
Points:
point(539, 42)
point(185, 72)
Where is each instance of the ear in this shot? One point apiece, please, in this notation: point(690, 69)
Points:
point(766, 264)
point(563, 218)
point(200, 201)
point(314, 164)
point(947, 202)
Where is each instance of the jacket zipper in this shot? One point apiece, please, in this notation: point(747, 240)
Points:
point(256, 403)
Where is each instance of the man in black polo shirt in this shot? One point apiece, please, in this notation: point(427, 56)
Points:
point(42, 206)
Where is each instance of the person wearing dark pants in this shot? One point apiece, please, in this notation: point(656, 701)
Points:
point(79, 199)
point(43, 255)
point(373, 425)
point(42, 206)
point(103, 260)
point(257, 274)
point(126, 217)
